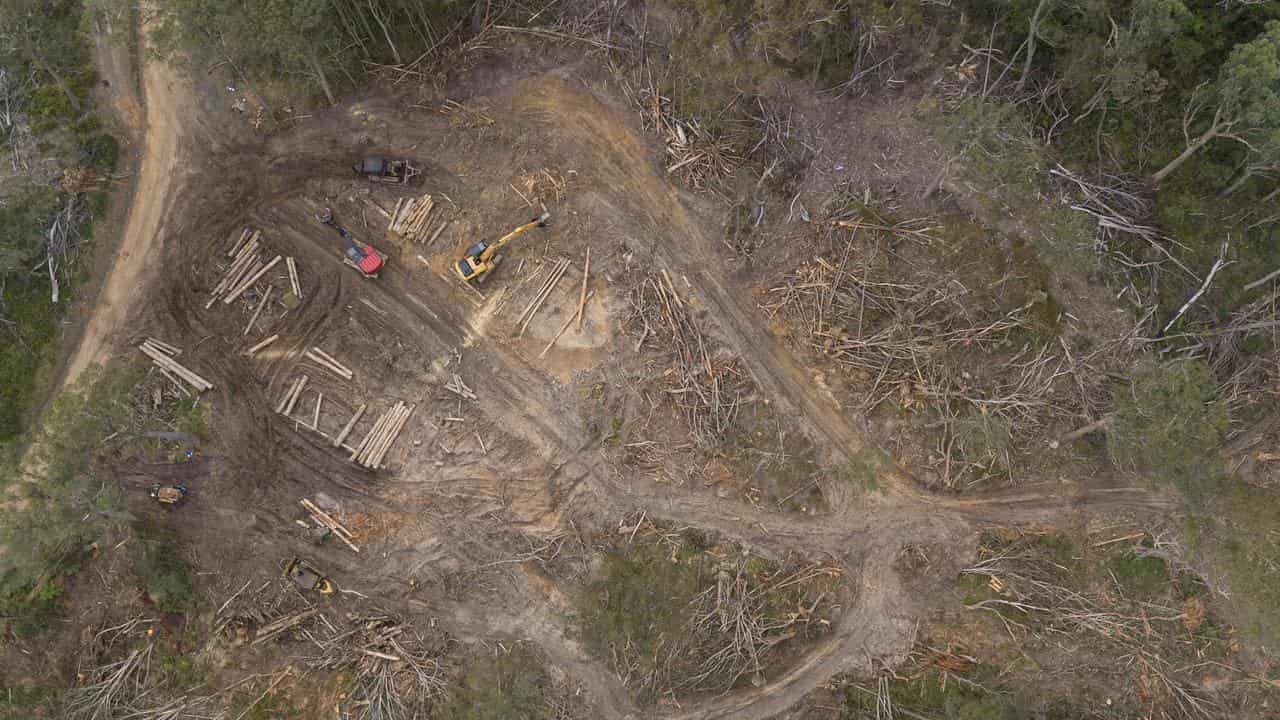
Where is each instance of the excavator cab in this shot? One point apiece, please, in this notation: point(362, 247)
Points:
point(307, 577)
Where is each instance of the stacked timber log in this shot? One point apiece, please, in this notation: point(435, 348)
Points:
point(410, 217)
point(248, 235)
point(326, 361)
point(246, 261)
point(162, 354)
point(373, 449)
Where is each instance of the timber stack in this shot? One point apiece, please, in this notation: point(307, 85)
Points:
point(163, 354)
point(411, 217)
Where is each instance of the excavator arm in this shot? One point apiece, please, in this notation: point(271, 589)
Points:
point(479, 258)
point(494, 247)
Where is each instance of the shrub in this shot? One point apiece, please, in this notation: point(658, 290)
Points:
point(1167, 422)
point(65, 506)
point(164, 575)
point(508, 686)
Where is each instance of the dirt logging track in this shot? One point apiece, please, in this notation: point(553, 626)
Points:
point(471, 486)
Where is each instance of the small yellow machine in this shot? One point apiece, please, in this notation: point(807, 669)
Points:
point(307, 577)
point(482, 257)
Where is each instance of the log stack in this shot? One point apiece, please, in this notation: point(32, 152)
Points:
point(246, 261)
point(162, 354)
point(373, 449)
point(411, 216)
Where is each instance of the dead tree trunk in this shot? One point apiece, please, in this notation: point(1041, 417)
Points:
point(322, 79)
point(1031, 44)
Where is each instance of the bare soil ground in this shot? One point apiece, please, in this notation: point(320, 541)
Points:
point(471, 485)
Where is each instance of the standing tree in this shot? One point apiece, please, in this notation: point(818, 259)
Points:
point(1245, 100)
point(43, 34)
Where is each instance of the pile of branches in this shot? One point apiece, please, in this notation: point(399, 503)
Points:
point(1031, 597)
point(397, 670)
point(744, 610)
point(740, 620)
point(128, 687)
point(1126, 237)
point(694, 154)
point(912, 338)
point(707, 387)
point(62, 239)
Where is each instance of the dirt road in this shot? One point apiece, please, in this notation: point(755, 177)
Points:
point(166, 94)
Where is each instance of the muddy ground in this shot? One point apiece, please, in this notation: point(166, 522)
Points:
point(472, 484)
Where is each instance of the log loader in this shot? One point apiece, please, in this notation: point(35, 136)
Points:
point(361, 256)
point(168, 494)
point(483, 256)
point(382, 170)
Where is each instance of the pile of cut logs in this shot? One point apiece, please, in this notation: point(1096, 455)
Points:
point(163, 354)
point(411, 217)
point(246, 269)
point(373, 449)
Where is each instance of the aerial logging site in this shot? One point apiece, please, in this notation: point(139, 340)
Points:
point(627, 359)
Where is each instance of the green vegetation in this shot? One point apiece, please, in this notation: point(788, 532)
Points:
point(65, 507)
point(1238, 536)
point(655, 610)
point(303, 46)
point(1168, 422)
point(46, 73)
point(511, 685)
point(929, 693)
point(163, 573)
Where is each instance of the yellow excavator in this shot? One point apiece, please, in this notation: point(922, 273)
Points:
point(482, 257)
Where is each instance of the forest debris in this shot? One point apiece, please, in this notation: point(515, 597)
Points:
point(346, 430)
point(327, 362)
point(582, 298)
point(437, 232)
point(258, 311)
point(253, 350)
point(282, 625)
point(293, 276)
point(568, 321)
point(543, 293)
point(325, 519)
point(457, 387)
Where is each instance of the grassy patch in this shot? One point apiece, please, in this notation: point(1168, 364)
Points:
point(998, 148)
point(512, 684)
point(163, 573)
point(654, 612)
point(863, 471)
point(62, 503)
point(1240, 538)
point(1168, 422)
point(23, 702)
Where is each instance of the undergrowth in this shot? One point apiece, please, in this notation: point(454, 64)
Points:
point(678, 614)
